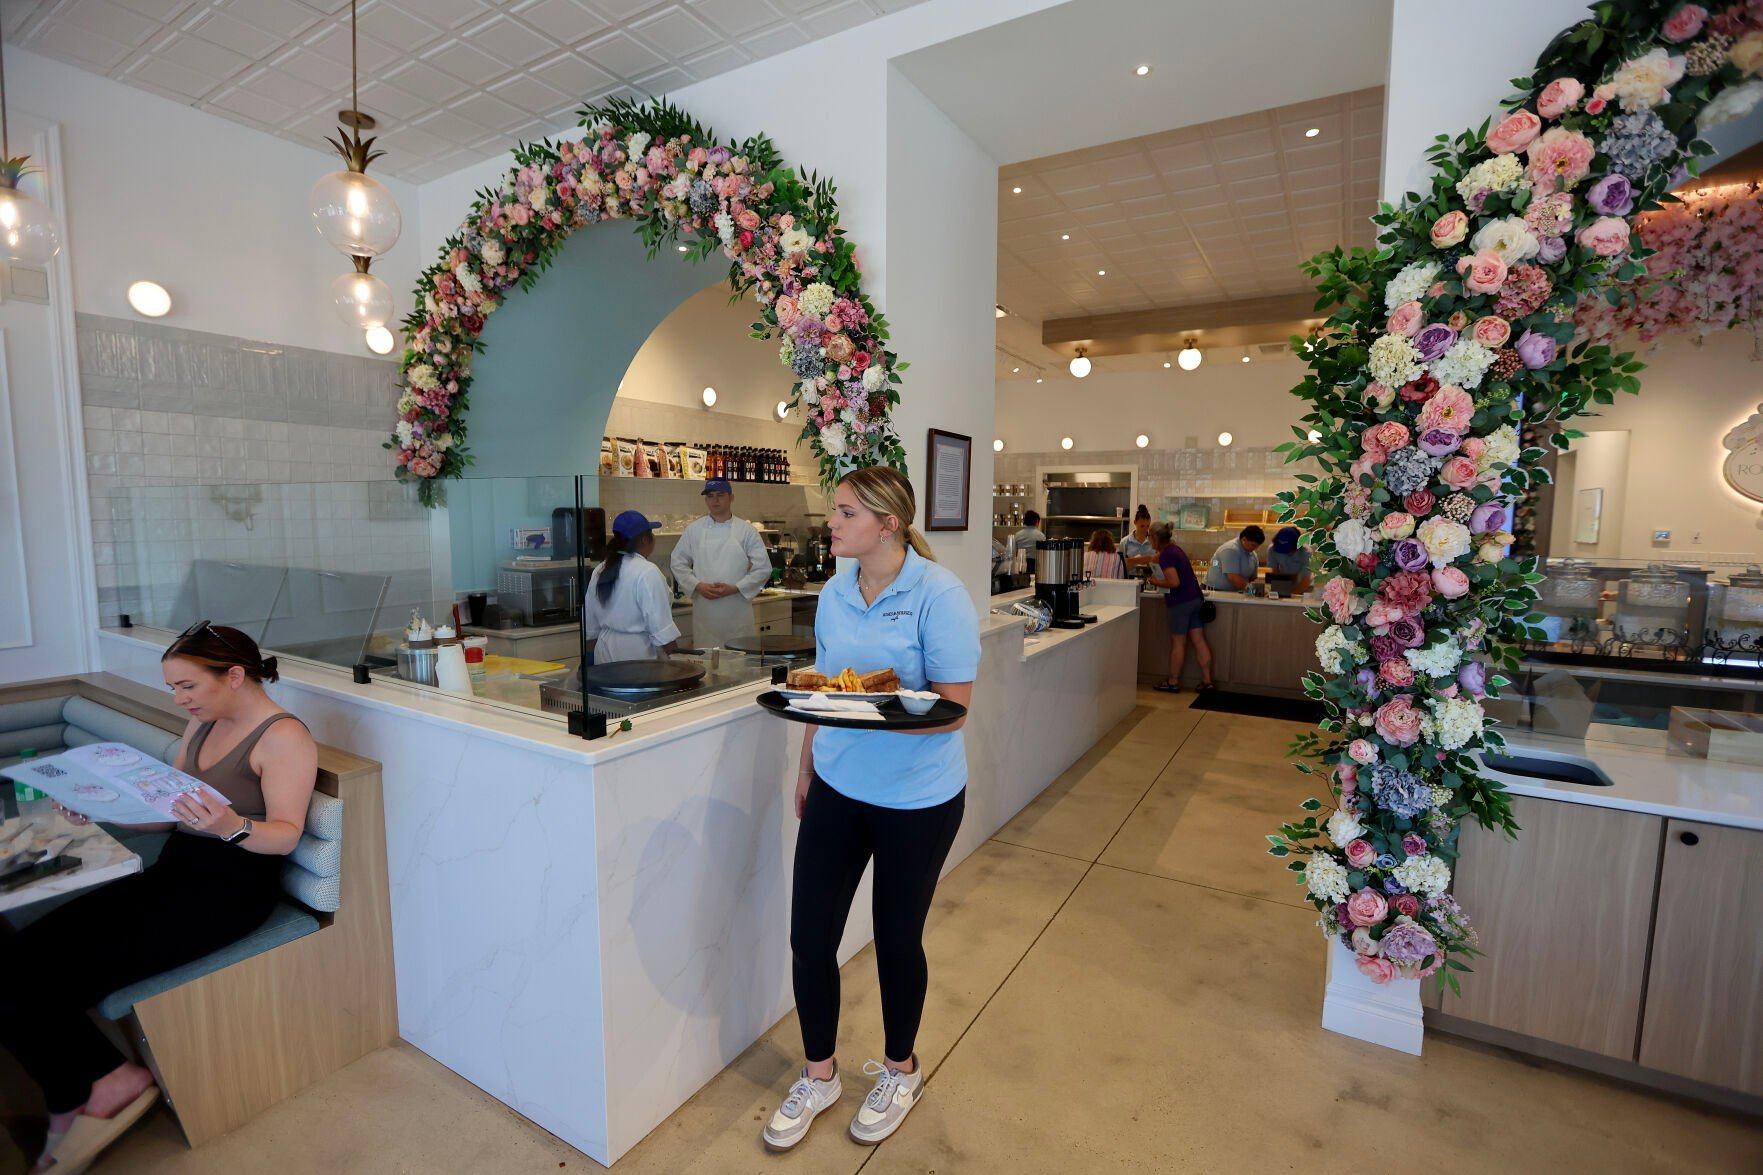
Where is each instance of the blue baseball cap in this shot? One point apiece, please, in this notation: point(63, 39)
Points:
point(1285, 540)
point(632, 525)
point(716, 485)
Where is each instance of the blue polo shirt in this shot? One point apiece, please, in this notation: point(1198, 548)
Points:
point(924, 627)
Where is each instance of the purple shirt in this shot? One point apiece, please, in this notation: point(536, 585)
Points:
point(1188, 588)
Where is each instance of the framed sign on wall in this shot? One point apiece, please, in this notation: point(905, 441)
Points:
point(946, 482)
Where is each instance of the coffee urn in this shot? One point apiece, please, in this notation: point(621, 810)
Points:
point(1059, 573)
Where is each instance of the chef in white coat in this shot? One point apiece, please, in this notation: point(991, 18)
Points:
point(721, 563)
point(628, 611)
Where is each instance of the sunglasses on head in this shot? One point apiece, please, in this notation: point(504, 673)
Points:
point(248, 657)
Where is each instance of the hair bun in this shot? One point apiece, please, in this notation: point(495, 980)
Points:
point(267, 671)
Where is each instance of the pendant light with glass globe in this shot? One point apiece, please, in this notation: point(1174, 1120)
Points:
point(355, 214)
point(1190, 356)
point(1080, 366)
point(28, 234)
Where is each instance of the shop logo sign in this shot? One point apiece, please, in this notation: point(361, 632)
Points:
point(1744, 457)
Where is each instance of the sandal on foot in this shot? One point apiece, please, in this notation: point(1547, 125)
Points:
point(1163, 687)
point(89, 1137)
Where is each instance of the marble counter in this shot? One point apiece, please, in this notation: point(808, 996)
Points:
point(1644, 780)
point(589, 931)
point(102, 857)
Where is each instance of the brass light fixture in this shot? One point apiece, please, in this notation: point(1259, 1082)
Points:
point(355, 214)
point(28, 233)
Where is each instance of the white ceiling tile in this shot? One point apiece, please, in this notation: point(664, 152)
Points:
point(236, 35)
point(676, 33)
point(664, 81)
point(451, 126)
point(530, 94)
point(175, 78)
point(160, 10)
point(109, 20)
point(283, 88)
point(285, 18)
point(574, 76)
point(253, 107)
point(447, 13)
point(425, 81)
point(382, 100)
point(397, 27)
point(718, 60)
point(564, 21)
point(735, 17)
point(81, 47)
point(838, 17)
point(309, 67)
point(619, 53)
point(625, 9)
point(509, 40)
point(490, 111)
point(779, 39)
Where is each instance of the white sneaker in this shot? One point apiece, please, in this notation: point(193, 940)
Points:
point(806, 1099)
point(887, 1105)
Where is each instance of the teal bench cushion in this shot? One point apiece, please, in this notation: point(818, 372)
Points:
point(285, 924)
point(88, 722)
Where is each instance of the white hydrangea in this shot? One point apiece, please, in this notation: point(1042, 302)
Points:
point(406, 402)
point(816, 299)
point(832, 439)
point(1353, 538)
point(1463, 365)
point(1455, 722)
point(1502, 173)
point(1335, 652)
point(873, 377)
point(1509, 237)
point(1409, 285)
point(539, 197)
point(468, 281)
point(637, 144)
point(786, 352)
point(1425, 874)
point(1731, 103)
point(1502, 449)
point(795, 239)
point(1440, 660)
point(422, 377)
point(1441, 797)
point(810, 392)
point(725, 228)
point(1343, 828)
point(492, 253)
point(1394, 361)
point(406, 433)
point(1325, 878)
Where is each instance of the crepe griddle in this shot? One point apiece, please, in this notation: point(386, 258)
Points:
point(642, 678)
point(772, 645)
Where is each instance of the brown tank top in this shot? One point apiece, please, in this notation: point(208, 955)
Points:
point(232, 775)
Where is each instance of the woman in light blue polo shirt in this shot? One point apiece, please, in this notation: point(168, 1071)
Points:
point(892, 795)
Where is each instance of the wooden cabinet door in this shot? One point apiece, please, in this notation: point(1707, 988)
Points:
point(1563, 914)
point(1704, 1016)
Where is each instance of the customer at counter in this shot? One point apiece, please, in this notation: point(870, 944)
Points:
point(628, 611)
point(1030, 534)
point(1287, 558)
point(1234, 565)
point(1137, 549)
point(1186, 605)
point(720, 562)
point(895, 796)
point(1101, 560)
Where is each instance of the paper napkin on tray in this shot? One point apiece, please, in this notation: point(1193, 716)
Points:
point(839, 707)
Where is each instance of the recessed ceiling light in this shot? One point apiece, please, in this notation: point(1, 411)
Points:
point(1245, 358)
point(998, 445)
point(1142, 70)
point(1141, 440)
point(1101, 273)
point(783, 409)
point(1065, 442)
point(1225, 439)
point(380, 341)
point(1313, 132)
point(149, 299)
point(709, 397)
point(1016, 191)
point(999, 312)
point(1065, 236)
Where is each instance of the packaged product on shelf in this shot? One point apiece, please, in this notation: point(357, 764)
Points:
point(695, 462)
point(627, 457)
point(608, 459)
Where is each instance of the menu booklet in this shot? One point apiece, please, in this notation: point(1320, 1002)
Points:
point(111, 782)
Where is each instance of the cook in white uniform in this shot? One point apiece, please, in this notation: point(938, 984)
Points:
point(721, 563)
point(628, 611)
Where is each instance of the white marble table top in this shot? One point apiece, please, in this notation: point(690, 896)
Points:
point(102, 858)
point(1645, 780)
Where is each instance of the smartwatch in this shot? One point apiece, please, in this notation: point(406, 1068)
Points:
point(244, 831)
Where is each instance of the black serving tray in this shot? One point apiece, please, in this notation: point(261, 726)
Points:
point(894, 715)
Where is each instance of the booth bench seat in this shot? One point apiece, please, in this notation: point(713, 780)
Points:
point(314, 980)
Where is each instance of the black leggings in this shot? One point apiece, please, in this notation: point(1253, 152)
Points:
point(199, 896)
point(837, 838)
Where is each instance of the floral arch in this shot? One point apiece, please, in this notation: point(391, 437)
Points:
point(654, 165)
point(1454, 343)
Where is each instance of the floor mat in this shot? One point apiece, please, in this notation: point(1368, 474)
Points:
point(1256, 706)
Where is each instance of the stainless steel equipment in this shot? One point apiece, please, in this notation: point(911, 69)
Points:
point(532, 592)
point(1080, 503)
point(1059, 573)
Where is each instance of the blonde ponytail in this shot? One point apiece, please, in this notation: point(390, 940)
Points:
point(886, 491)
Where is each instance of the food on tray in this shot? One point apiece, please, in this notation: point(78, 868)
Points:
point(848, 681)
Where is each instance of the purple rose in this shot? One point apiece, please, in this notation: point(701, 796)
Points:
point(1408, 942)
point(1408, 633)
point(1611, 196)
point(1476, 199)
point(1392, 886)
point(1433, 341)
point(1536, 350)
point(1384, 648)
point(1551, 249)
point(1367, 678)
point(1410, 554)
point(719, 155)
point(1440, 442)
point(1473, 677)
point(1413, 845)
point(1487, 518)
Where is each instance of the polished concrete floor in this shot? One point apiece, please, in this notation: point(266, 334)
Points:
point(1121, 980)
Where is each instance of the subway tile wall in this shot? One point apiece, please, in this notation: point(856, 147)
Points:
point(207, 447)
point(1217, 477)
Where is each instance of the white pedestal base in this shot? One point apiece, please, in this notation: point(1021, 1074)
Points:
point(1382, 1013)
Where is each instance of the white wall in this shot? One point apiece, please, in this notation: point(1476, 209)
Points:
point(704, 344)
point(213, 211)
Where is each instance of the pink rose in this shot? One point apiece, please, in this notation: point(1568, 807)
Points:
point(1685, 23)
point(1491, 332)
point(1381, 614)
point(1337, 593)
point(1596, 103)
point(1362, 751)
point(1360, 853)
point(1559, 158)
point(1367, 907)
point(1365, 561)
point(1375, 969)
point(1396, 673)
point(1606, 236)
point(1363, 944)
point(1559, 96)
point(1380, 396)
point(1396, 525)
point(1483, 273)
point(1514, 133)
point(1346, 775)
point(1397, 721)
point(1407, 319)
point(1388, 435)
point(1448, 230)
point(1406, 905)
point(1449, 408)
point(1474, 447)
point(1450, 582)
point(787, 312)
point(1458, 472)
